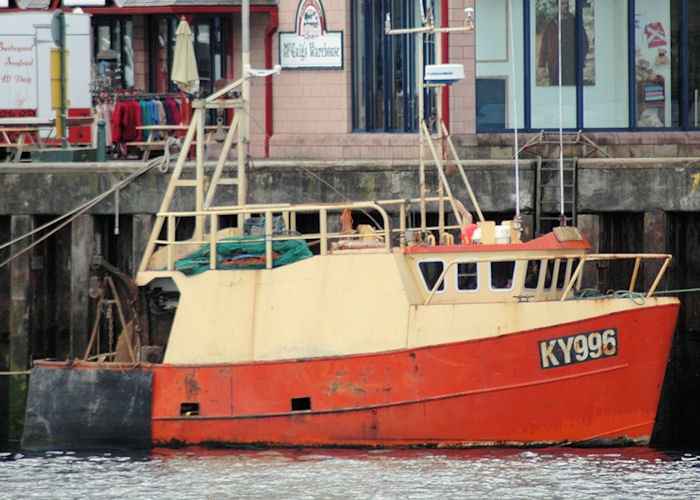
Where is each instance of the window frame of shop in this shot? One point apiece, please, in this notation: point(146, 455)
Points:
point(369, 46)
point(217, 52)
point(117, 42)
point(680, 111)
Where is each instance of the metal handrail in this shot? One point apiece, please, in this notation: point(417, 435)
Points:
point(324, 236)
point(621, 256)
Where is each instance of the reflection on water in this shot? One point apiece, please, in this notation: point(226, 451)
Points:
point(321, 473)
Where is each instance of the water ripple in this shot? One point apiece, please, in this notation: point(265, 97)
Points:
point(562, 473)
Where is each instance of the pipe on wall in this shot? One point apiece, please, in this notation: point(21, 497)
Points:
point(269, 31)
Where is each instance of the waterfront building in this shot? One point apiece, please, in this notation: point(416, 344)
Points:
point(631, 72)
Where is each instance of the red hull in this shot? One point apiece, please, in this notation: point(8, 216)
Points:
point(490, 391)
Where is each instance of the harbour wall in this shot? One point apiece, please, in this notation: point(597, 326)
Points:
point(46, 310)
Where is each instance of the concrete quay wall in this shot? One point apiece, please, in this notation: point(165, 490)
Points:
point(604, 185)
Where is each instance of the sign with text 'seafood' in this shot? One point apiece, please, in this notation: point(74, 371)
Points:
point(311, 45)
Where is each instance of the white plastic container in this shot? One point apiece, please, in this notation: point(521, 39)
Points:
point(502, 234)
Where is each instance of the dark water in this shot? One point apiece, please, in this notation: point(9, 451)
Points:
point(632, 473)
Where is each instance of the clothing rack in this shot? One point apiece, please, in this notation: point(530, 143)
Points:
point(146, 96)
point(100, 97)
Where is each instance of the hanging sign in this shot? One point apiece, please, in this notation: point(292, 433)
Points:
point(311, 45)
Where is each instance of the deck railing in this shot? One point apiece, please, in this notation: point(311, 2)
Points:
point(638, 258)
point(324, 237)
point(383, 229)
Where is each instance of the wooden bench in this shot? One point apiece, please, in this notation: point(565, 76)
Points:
point(153, 144)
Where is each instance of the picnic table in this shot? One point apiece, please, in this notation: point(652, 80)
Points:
point(22, 133)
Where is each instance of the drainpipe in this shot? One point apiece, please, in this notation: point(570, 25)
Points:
point(444, 22)
point(271, 28)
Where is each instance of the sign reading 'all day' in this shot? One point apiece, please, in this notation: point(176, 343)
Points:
point(311, 45)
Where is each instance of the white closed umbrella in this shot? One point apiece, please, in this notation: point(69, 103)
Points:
point(185, 74)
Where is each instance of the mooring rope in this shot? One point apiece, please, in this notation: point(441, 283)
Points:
point(592, 293)
point(637, 297)
point(80, 210)
point(675, 292)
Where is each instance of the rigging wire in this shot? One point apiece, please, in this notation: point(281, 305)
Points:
point(312, 174)
point(515, 114)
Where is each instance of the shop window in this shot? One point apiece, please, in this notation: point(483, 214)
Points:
point(495, 81)
point(384, 71)
point(620, 69)
point(605, 71)
point(210, 39)
point(545, 57)
point(693, 16)
point(114, 53)
point(491, 103)
point(653, 63)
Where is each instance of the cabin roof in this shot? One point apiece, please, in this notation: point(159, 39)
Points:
point(549, 241)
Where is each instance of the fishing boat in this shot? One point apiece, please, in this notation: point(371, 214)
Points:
point(246, 327)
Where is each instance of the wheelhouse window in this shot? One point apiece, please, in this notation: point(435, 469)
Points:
point(566, 271)
point(430, 271)
point(502, 275)
point(385, 77)
point(549, 274)
point(532, 274)
point(467, 276)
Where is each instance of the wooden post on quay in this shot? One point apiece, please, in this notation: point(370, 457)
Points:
point(655, 229)
point(141, 229)
point(20, 305)
point(82, 238)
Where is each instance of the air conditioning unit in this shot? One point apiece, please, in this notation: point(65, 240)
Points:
point(444, 73)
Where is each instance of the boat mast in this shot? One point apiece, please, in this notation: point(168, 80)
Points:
point(244, 136)
point(428, 28)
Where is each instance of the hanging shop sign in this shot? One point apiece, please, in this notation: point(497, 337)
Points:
point(311, 45)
